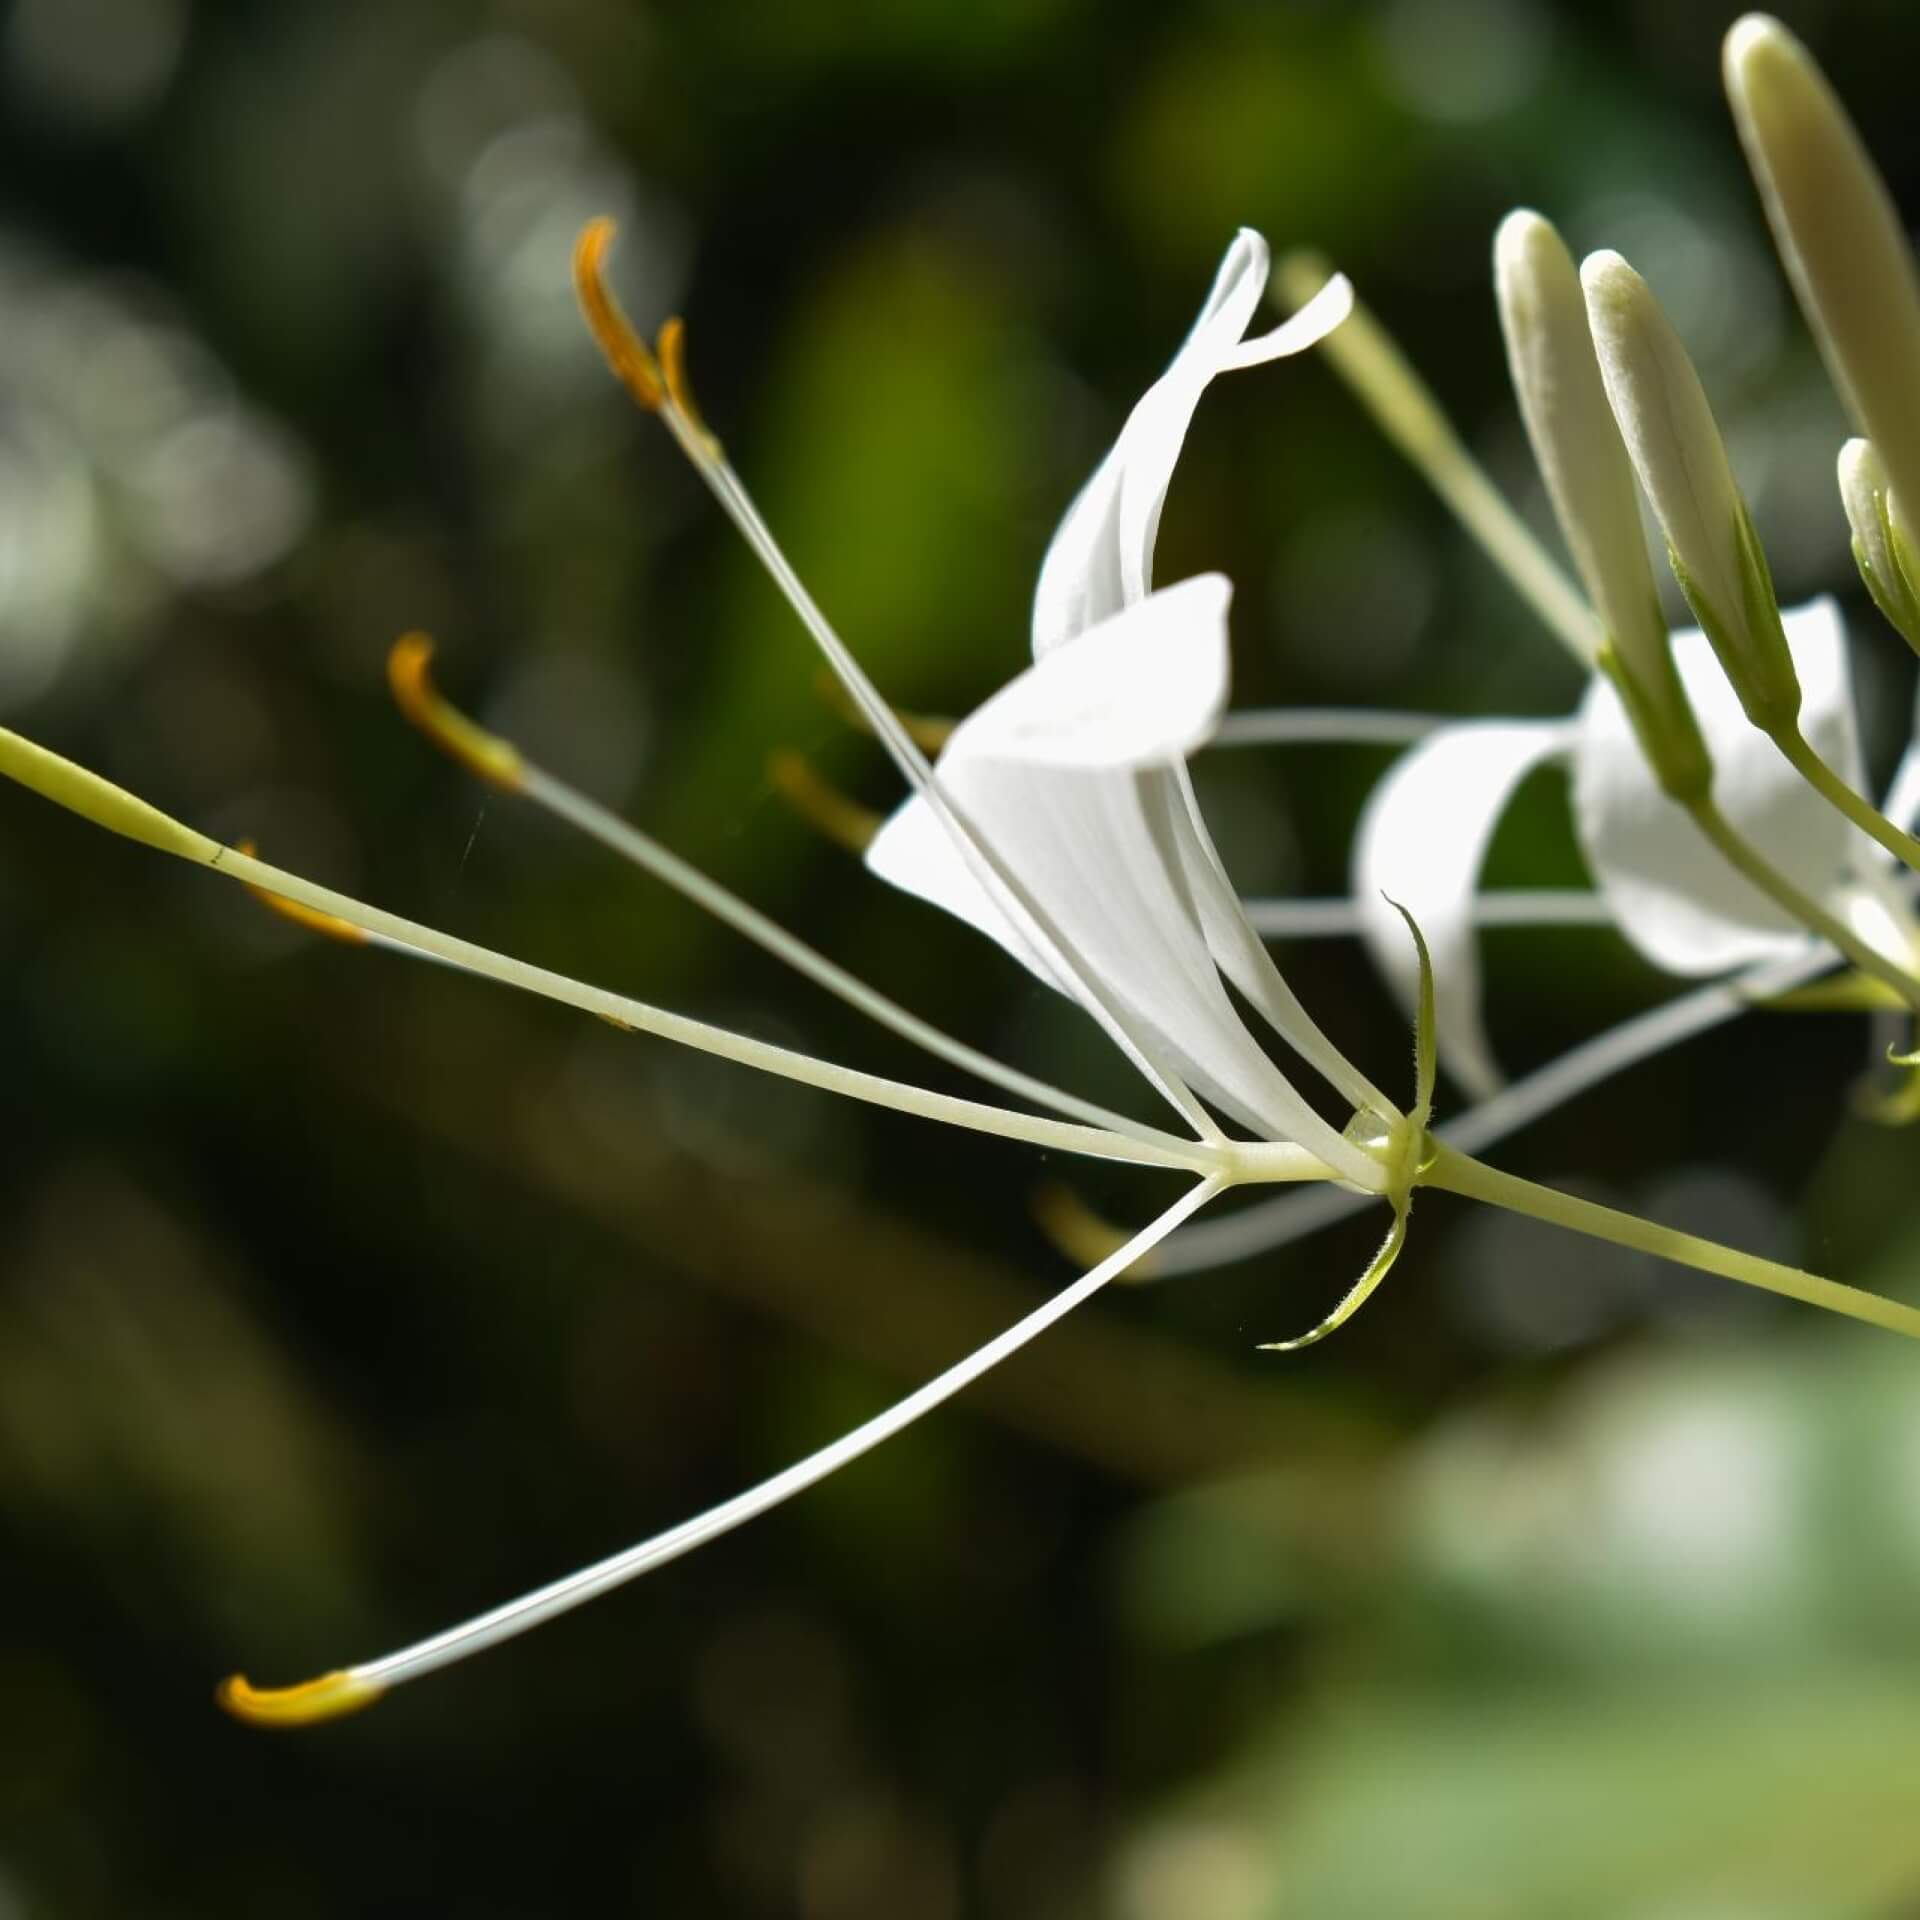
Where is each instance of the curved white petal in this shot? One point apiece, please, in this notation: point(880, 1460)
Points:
point(1065, 787)
point(1421, 842)
point(1101, 556)
point(1144, 688)
point(1671, 894)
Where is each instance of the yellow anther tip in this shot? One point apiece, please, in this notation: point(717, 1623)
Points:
point(330, 1697)
point(626, 353)
point(446, 726)
point(671, 345)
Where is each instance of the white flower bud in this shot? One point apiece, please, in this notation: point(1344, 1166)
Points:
point(1881, 547)
point(1839, 234)
point(1564, 403)
point(1682, 462)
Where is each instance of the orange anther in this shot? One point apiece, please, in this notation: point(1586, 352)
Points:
point(327, 1698)
point(486, 754)
point(626, 353)
point(672, 347)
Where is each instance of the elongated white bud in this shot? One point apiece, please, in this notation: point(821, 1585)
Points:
point(1881, 546)
point(1564, 403)
point(1682, 462)
point(1839, 235)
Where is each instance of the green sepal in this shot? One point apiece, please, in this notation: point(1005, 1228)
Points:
point(1357, 1295)
point(1896, 597)
point(1664, 724)
point(1410, 1155)
point(1776, 677)
point(1758, 663)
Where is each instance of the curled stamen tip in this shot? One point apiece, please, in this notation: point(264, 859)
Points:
point(445, 725)
point(1083, 1235)
point(330, 1697)
point(626, 353)
point(822, 806)
point(671, 346)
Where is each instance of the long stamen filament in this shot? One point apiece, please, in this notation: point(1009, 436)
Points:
point(874, 1089)
point(502, 762)
point(98, 800)
point(1322, 726)
point(628, 841)
point(359, 1685)
point(1304, 919)
point(1002, 886)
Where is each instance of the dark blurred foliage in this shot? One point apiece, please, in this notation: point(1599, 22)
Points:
point(337, 1300)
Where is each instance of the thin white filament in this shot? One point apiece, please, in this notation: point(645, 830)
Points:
point(1282, 919)
point(561, 1596)
point(649, 855)
point(1002, 886)
point(1323, 726)
point(411, 938)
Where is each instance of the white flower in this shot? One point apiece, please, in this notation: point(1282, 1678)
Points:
point(1428, 825)
point(1075, 770)
point(1065, 828)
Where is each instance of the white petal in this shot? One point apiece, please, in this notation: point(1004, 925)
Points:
point(1422, 841)
point(1671, 894)
point(1144, 688)
point(1101, 556)
point(914, 851)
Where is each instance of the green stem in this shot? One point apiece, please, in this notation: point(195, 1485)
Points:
point(1752, 865)
point(1835, 791)
point(1454, 1172)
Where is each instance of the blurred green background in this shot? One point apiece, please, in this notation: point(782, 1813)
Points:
point(338, 1300)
